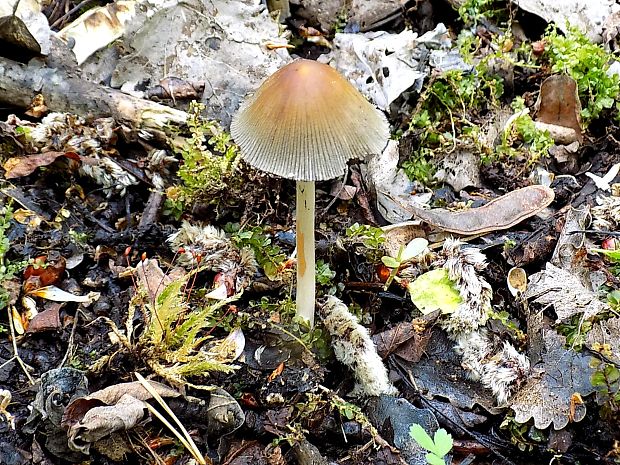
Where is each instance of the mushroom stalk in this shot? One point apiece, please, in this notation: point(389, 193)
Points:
point(305, 251)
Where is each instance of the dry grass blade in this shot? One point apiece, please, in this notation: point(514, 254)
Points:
point(182, 436)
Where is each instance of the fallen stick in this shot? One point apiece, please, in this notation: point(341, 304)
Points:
point(65, 92)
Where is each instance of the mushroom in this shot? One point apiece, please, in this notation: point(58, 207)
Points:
point(305, 122)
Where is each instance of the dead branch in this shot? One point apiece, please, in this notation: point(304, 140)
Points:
point(64, 92)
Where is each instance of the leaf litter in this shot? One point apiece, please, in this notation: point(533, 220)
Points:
point(211, 304)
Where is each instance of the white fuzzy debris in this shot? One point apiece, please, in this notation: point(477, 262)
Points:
point(464, 266)
point(498, 367)
point(109, 174)
point(70, 133)
point(216, 252)
point(354, 348)
point(499, 370)
point(607, 213)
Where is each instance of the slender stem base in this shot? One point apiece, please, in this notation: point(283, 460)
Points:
point(305, 251)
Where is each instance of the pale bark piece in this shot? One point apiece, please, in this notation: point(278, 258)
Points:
point(221, 42)
point(587, 15)
point(63, 92)
point(98, 27)
point(383, 65)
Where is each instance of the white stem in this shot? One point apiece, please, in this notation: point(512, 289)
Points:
point(305, 250)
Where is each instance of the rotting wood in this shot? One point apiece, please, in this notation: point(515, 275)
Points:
point(65, 92)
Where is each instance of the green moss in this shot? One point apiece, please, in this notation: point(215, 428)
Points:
point(209, 161)
point(588, 64)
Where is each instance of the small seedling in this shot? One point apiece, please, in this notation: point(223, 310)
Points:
point(269, 256)
point(438, 446)
point(8, 269)
point(406, 253)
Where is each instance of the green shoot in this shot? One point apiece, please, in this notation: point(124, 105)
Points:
point(438, 447)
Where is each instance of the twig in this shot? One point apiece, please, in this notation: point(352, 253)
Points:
point(16, 356)
point(71, 338)
point(70, 12)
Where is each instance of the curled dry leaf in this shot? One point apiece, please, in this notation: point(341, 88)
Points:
point(408, 340)
point(58, 295)
point(558, 105)
point(115, 408)
point(100, 422)
point(17, 167)
point(440, 373)
point(547, 395)
point(501, 213)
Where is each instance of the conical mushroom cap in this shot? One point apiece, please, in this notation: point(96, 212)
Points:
point(305, 122)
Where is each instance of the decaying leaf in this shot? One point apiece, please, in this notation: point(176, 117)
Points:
point(408, 340)
point(434, 291)
point(559, 105)
point(440, 373)
point(606, 333)
point(47, 320)
point(23, 166)
point(562, 289)
point(224, 413)
point(546, 396)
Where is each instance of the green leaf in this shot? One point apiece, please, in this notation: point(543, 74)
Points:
point(414, 248)
point(443, 442)
point(434, 290)
point(613, 255)
point(432, 459)
point(420, 436)
point(390, 262)
point(598, 379)
point(612, 373)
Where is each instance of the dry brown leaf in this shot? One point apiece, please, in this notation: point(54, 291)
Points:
point(100, 422)
point(559, 104)
point(408, 340)
point(17, 167)
point(152, 279)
